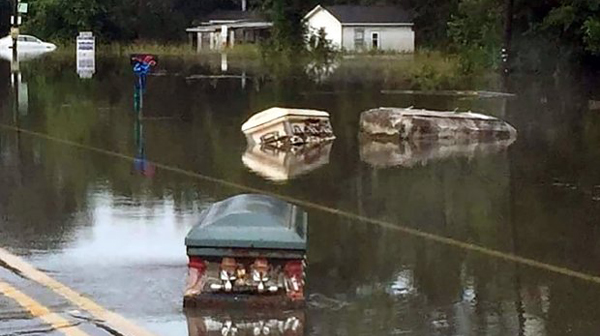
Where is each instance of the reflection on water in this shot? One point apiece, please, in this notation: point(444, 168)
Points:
point(22, 55)
point(321, 71)
point(245, 322)
point(115, 220)
point(278, 164)
point(224, 64)
point(141, 164)
point(117, 237)
point(86, 64)
point(411, 153)
point(20, 89)
point(20, 93)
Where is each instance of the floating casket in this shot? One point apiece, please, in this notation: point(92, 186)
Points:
point(249, 249)
point(279, 165)
point(284, 127)
point(409, 124)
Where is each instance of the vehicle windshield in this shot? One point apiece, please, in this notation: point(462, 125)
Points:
point(27, 38)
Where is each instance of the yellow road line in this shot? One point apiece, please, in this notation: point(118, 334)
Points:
point(307, 204)
point(39, 311)
point(111, 319)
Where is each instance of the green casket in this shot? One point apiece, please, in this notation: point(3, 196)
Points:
point(247, 248)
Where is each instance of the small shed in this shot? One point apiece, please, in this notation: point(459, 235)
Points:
point(226, 28)
point(357, 28)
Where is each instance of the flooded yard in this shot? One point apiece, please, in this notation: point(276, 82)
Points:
point(489, 240)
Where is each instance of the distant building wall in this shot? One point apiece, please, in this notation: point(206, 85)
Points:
point(333, 28)
point(389, 38)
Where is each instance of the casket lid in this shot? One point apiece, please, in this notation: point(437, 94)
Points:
point(274, 113)
point(250, 221)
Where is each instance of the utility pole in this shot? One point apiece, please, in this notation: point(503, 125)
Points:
point(508, 21)
point(506, 48)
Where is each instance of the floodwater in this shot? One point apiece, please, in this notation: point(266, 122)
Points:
point(113, 228)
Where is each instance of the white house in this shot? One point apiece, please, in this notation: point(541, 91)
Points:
point(364, 27)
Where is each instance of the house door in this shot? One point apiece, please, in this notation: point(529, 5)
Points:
point(375, 43)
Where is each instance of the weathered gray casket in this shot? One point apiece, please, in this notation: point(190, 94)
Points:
point(406, 137)
point(406, 123)
point(248, 248)
point(284, 127)
point(280, 165)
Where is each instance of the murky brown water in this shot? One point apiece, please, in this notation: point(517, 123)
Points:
point(113, 229)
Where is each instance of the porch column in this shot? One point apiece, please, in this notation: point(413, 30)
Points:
point(224, 35)
point(212, 40)
point(232, 39)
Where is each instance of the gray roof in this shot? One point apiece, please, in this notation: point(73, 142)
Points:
point(370, 14)
point(250, 221)
point(234, 15)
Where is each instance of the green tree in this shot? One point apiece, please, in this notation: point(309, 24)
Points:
point(475, 32)
point(573, 22)
point(289, 29)
point(549, 36)
point(591, 35)
point(5, 10)
point(321, 48)
point(111, 20)
point(430, 18)
point(61, 19)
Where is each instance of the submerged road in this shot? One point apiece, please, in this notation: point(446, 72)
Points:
point(97, 318)
point(96, 197)
point(470, 247)
point(50, 307)
point(37, 310)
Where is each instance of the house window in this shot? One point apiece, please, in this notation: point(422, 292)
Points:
point(359, 38)
point(375, 44)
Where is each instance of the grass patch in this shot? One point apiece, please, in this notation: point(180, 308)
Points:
point(423, 70)
point(161, 49)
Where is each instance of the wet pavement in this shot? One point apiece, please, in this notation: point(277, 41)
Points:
point(112, 227)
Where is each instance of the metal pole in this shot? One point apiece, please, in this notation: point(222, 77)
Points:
point(15, 26)
point(508, 22)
